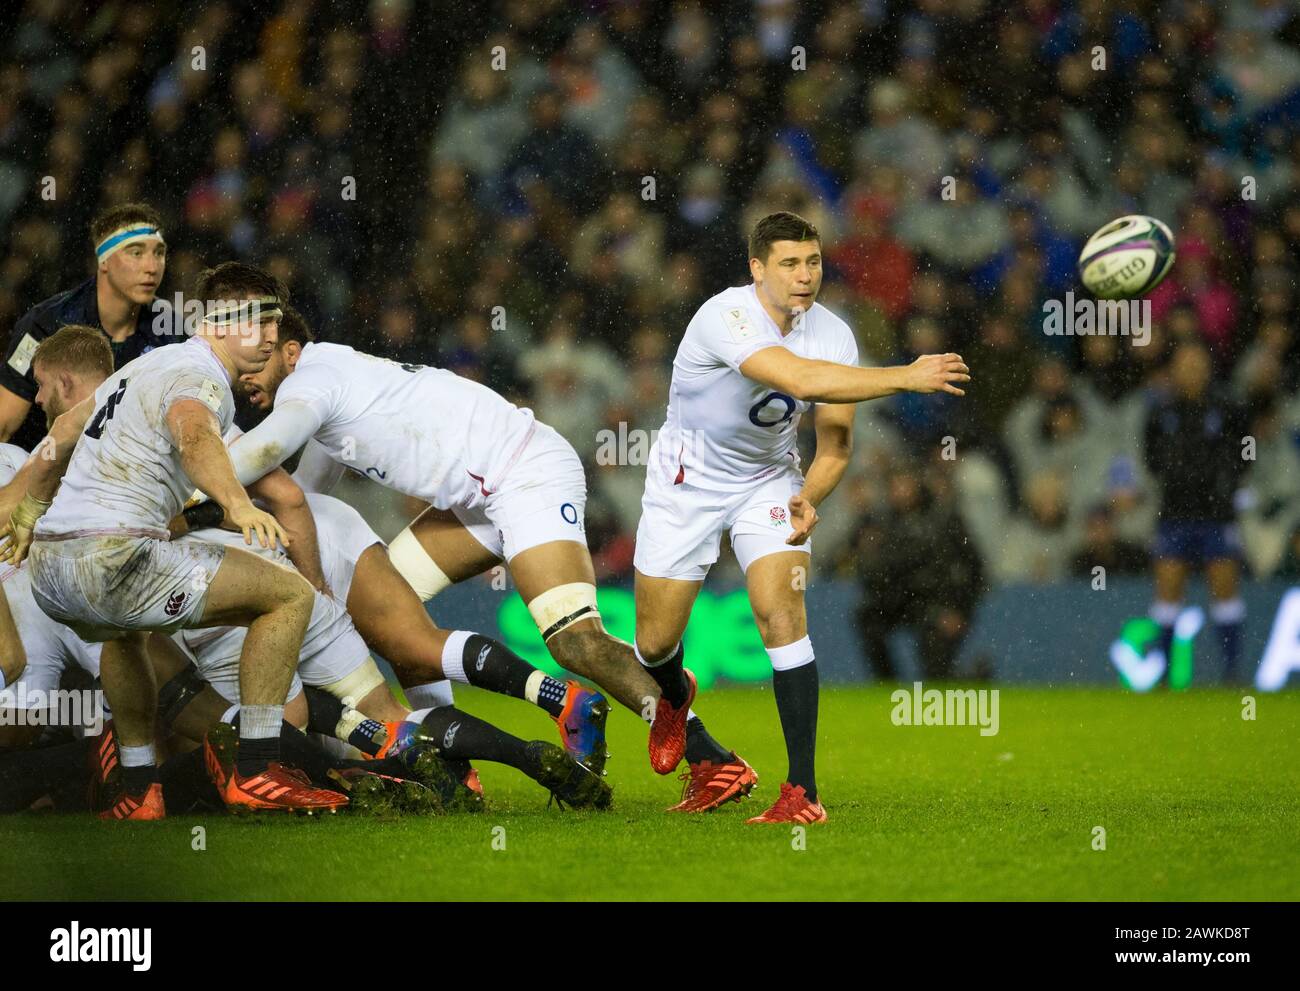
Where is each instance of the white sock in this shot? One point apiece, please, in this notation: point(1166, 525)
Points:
point(136, 756)
point(3, 683)
point(453, 656)
point(533, 686)
point(792, 655)
point(260, 722)
point(229, 715)
point(419, 715)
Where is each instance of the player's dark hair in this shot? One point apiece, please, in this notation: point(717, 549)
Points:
point(115, 217)
point(782, 226)
point(75, 348)
point(239, 280)
point(293, 328)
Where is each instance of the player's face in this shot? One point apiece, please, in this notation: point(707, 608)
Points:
point(53, 390)
point(137, 270)
point(258, 389)
point(251, 343)
point(792, 275)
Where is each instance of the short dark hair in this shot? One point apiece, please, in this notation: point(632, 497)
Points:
point(75, 348)
point(293, 328)
point(115, 217)
point(782, 226)
point(238, 280)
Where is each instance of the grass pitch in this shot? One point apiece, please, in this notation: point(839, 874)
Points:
point(1196, 803)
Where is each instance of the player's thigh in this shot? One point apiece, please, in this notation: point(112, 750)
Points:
point(546, 566)
point(1222, 574)
point(389, 615)
point(557, 581)
point(663, 608)
point(1170, 578)
point(247, 586)
point(776, 585)
point(457, 552)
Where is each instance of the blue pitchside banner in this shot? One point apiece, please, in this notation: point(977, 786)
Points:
point(1063, 634)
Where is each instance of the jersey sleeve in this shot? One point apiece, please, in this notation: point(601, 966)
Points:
point(288, 428)
point(16, 372)
point(205, 387)
point(315, 385)
point(845, 351)
point(729, 335)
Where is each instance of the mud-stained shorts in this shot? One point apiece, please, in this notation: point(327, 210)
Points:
point(104, 586)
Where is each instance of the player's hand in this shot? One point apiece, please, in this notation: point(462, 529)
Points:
point(937, 373)
point(15, 542)
point(803, 517)
point(250, 520)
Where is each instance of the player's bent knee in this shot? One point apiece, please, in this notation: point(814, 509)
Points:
point(779, 626)
point(559, 608)
point(415, 565)
point(353, 687)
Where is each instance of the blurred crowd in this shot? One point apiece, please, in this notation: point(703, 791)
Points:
point(539, 193)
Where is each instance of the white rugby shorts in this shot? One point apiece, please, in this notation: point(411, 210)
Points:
point(680, 533)
point(542, 498)
point(103, 586)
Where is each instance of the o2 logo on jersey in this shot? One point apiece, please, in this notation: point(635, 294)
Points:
point(570, 514)
point(759, 415)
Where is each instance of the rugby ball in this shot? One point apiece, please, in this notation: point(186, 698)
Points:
point(1127, 258)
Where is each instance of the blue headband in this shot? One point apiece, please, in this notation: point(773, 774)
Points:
point(119, 239)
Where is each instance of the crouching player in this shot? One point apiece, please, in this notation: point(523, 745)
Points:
point(114, 469)
point(351, 700)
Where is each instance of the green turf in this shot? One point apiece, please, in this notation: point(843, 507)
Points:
point(1196, 802)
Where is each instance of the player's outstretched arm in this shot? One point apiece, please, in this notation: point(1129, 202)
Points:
point(37, 481)
point(267, 445)
point(206, 460)
point(816, 381)
point(285, 500)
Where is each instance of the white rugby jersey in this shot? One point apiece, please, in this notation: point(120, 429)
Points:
point(724, 431)
point(423, 431)
point(125, 474)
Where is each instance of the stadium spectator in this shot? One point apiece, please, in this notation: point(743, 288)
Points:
point(1195, 447)
point(918, 572)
